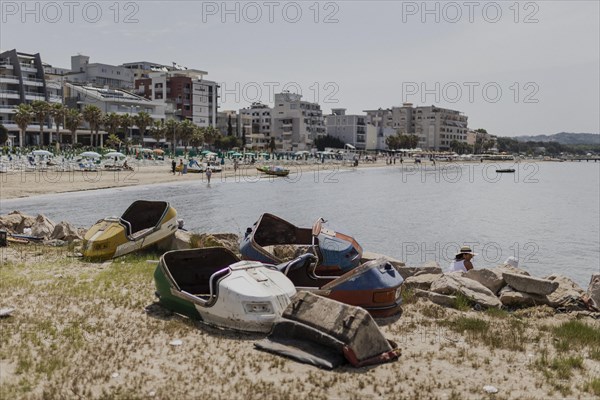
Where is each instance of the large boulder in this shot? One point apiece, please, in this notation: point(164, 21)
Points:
point(442, 299)
point(594, 290)
point(431, 267)
point(422, 281)
point(490, 278)
point(530, 284)
point(507, 268)
point(513, 298)
point(453, 283)
point(42, 227)
point(567, 295)
point(369, 256)
point(16, 222)
point(183, 240)
point(66, 232)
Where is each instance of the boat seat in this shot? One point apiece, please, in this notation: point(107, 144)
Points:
point(297, 263)
point(139, 234)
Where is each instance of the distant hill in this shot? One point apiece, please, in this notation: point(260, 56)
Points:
point(563, 138)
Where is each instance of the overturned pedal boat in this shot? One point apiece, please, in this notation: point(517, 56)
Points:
point(337, 252)
point(143, 224)
point(375, 286)
point(213, 285)
point(327, 333)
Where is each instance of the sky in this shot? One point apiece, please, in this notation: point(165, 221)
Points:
point(513, 67)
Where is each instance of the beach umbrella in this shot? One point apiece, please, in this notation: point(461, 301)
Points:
point(158, 151)
point(265, 154)
point(41, 153)
point(236, 154)
point(204, 152)
point(90, 154)
point(113, 154)
point(146, 150)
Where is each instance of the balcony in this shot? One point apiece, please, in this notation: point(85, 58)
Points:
point(33, 81)
point(34, 96)
point(6, 109)
point(28, 68)
point(9, 94)
point(5, 78)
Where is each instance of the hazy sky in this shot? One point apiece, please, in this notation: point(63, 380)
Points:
point(513, 67)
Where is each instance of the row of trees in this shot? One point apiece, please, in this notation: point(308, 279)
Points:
point(401, 141)
point(71, 119)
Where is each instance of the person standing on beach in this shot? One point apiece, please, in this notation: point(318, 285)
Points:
point(462, 260)
point(208, 173)
point(180, 166)
point(173, 166)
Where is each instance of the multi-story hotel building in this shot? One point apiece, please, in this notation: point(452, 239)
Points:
point(256, 123)
point(351, 129)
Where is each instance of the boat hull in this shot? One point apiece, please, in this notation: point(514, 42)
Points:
point(143, 224)
point(243, 295)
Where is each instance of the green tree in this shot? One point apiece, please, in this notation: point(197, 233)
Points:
point(126, 122)
point(23, 117)
point(41, 110)
point(73, 119)
point(58, 113)
point(93, 115)
point(113, 141)
point(142, 120)
point(186, 132)
point(328, 141)
point(172, 131)
point(244, 137)
point(197, 136)
point(3, 134)
point(272, 145)
point(210, 134)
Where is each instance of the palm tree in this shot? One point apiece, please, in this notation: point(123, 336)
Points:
point(41, 110)
point(111, 122)
point(158, 130)
point(93, 115)
point(126, 122)
point(113, 140)
point(58, 113)
point(210, 135)
point(172, 128)
point(23, 116)
point(197, 136)
point(73, 119)
point(186, 132)
point(143, 120)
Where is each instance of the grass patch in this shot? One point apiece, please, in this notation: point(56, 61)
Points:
point(593, 386)
point(462, 302)
point(497, 312)
point(509, 333)
point(577, 333)
point(408, 296)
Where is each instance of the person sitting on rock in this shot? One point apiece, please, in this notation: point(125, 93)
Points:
point(462, 260)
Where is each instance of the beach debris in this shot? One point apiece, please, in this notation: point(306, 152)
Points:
point(151, 393)
point(6, 312)
point(530, 284)
point(490, 389)
point(453, 283)
point(327, 334)
point(176, 342)
point(55, 243)
point(114, 375)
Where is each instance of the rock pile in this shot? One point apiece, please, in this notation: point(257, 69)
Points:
point(39, 227)
point(504, 285)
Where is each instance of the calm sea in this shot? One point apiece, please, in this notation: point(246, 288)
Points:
point(545, 214)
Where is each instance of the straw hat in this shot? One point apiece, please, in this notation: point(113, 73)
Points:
point(466, 250)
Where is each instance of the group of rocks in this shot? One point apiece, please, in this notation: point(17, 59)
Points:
point(504, 285)
point(40, 228)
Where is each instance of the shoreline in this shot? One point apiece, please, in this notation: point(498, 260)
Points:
point(26, 184)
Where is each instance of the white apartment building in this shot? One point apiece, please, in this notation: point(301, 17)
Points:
point(256, 123)
point(223, 118)
point(296, 123)
point(351, 129)
point(97, 74)
point(436, 127)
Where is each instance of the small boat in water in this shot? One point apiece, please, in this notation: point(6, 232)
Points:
point(505, 171)
point(337, 252)
point(213, 285)
point(143, 224)
point(375, 286)
point(275, 170)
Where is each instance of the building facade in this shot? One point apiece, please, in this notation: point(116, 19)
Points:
point(351, 129)
point(97, 74)
point(22, 80)
point(296, 123)
point(185, 91)
point(436, 127)
point(256, 124)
